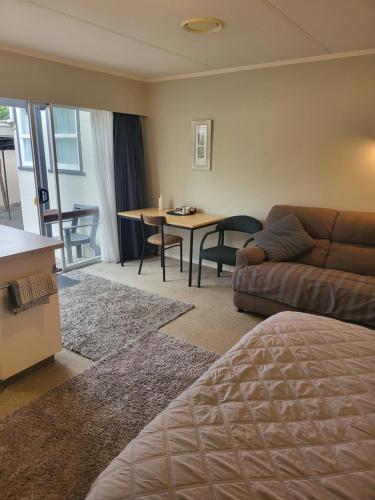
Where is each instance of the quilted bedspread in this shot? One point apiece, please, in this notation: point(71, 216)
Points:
point(288, 412)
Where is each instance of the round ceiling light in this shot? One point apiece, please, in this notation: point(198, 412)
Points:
point(202, 25)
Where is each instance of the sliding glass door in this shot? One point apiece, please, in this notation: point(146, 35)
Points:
point(46, 179)
point(56, 172)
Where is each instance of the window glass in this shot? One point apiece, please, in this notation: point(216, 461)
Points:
point(23, 133)
point(67, 138)
point(27, 155)
point(24, 121)
point(67, 152)
point(65, 121)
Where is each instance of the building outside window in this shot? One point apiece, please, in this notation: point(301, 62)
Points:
point(67, 135)
point(23, 136)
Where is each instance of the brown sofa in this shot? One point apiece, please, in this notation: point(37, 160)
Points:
point(336, 278)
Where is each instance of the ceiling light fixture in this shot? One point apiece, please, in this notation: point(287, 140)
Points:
point(202, 25)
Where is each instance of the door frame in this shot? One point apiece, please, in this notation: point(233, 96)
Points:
point(37, 167)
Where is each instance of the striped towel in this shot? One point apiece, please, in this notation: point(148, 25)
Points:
point(31, 291)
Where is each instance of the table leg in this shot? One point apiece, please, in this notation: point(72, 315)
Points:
point(191, 256)
point(120, 242)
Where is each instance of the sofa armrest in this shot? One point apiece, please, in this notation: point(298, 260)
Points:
point(250, 256)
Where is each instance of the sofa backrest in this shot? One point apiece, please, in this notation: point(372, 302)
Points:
point(317, 222)
point(344, 240)
point(353, 243)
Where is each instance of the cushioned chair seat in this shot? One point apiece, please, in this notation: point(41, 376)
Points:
point(223, 254)
point(79, 238)
point(169, 239)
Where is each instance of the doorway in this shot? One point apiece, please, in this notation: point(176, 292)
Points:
point(55, 177)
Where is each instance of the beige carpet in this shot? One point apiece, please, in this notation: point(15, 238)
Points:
point(54, 447)
point(213, 324)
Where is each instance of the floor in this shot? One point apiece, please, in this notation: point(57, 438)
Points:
point(15, 216)
point(214, 323)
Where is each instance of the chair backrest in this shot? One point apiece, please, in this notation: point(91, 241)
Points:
point(91, 219)
point(241, 223)
point(157, 221)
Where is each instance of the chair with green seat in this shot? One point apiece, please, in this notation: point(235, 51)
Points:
point(221, 253)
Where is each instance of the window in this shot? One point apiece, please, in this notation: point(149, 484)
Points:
point(67, 137)
point(23, 131)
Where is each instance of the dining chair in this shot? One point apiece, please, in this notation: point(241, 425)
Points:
point(223, 254)
point(163, 240)
point(74, 238)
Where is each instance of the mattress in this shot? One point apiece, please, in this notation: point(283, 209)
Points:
point(287, 413)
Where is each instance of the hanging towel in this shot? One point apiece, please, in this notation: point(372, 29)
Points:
point(31, 291)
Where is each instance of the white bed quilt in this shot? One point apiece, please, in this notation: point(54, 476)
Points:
point(287, 413)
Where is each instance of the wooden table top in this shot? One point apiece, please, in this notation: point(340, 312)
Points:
point(194, 221)
point(52, 214)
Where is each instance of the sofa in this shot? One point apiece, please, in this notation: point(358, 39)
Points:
point(287, 413)
point(336, 278)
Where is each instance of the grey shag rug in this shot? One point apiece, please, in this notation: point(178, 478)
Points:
point(99, 316)
point(54, 447)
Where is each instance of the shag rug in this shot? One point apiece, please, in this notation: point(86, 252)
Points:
point(55, 447)
point(99, 316)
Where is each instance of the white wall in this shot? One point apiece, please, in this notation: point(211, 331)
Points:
point(29, 78)
point(300, 134)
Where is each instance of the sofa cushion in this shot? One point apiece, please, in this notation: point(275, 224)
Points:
point(317, 222)
point(353, 243)
point(317, 256)
point(358, 259)
point(357, 228)
point(250, 256)
point(346, 296)
point(285, 239)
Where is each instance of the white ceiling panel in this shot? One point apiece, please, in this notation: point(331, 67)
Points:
point(341, 25)
point(253, 32)
point(144, 38)
point(48, 33)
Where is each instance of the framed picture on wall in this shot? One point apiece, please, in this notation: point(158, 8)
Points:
point(202, 145)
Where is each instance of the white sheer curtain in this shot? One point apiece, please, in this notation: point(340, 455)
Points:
point(102, 130)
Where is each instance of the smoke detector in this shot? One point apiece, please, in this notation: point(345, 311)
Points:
point(202, 25)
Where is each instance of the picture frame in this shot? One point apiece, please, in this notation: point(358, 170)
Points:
point(201, 131)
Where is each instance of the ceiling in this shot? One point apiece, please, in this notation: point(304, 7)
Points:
point(143, 38)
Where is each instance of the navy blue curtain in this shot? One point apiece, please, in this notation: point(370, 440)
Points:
point(130, 184)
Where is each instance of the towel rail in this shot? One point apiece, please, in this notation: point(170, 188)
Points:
point(54, 271)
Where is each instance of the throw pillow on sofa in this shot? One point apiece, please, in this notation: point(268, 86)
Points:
point(286, 239)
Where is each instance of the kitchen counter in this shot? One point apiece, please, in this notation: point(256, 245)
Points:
point(31, 337)
point(14, 242)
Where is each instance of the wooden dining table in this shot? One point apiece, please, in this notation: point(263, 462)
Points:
point(188, 222)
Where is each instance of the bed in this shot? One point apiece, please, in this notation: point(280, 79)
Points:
point(287, 413)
